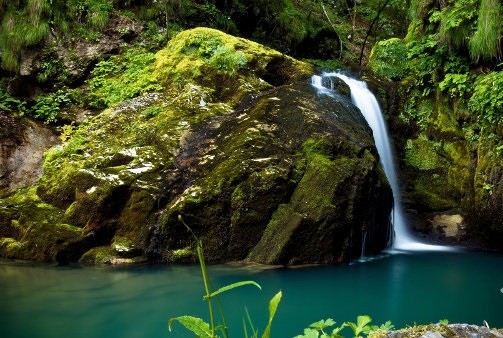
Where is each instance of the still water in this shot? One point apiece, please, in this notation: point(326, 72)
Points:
point(49, 301)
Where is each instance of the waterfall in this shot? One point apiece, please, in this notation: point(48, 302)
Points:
point(363, 98)
point(364, 243)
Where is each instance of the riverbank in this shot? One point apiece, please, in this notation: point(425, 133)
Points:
point(442, 331)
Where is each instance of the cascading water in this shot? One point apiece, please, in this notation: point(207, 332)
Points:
point(363, 98)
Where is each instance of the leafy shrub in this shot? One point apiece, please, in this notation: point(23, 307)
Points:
point(228, 60)
point(456, 64)
point(47, 108)
point(215, 53)
point(426, 57)
point(389, 59)
point(455, 21)
point(457, 85)
point(8, 103)
point(360, 328)
point(122, 77)
point(487, 98)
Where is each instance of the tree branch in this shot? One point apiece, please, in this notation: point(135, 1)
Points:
point(370, 30)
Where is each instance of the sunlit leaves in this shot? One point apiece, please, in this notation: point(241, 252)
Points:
point(487, 98)
point(196, 325)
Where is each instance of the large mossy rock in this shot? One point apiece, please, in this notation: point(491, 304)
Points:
point(237, 142)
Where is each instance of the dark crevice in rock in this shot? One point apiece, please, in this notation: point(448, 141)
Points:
point(95, 235)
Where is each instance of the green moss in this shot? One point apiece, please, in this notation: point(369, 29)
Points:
point(276, 236)
point(434, 193)
point(189, 51)
point(417, 331)
point(316, 189)
point(9, 247)
point(39, 229)
point(458, 153)
point(109, 256)
point(210, 57)
point(120, 243)
point(183, 255)
point(320, 146)
point(99, 255)
point(444, 120)
point(322, 191)
point(423, 154)
point(122, 77)
point(136, 214)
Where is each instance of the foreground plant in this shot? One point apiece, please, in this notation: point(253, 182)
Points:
point(361, 328)
point(203, 329)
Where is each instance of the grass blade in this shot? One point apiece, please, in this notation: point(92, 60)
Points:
point(273, 306)
point(230, 287)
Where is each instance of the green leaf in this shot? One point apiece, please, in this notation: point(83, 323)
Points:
point(335, 332)
point(361, 325)
point(273, 306)
point(386, 326)
point(309, 333)
point(362, 321)
point(199, 327)
point(230, 287)
point(322, 324)
point(383, 327)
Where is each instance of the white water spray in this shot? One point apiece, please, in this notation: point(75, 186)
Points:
point(363, 98)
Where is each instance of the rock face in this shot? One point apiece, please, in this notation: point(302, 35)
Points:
point(22, 144)
point(238, 143)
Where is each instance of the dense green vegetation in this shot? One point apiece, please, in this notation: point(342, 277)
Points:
point(25, 24)
point(452, 48)
point(43, 41)
point(283, 24)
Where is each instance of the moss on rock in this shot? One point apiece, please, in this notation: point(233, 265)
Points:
point(423, 154)
point(320, 211)
point(212, 58)
point(32, 229)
